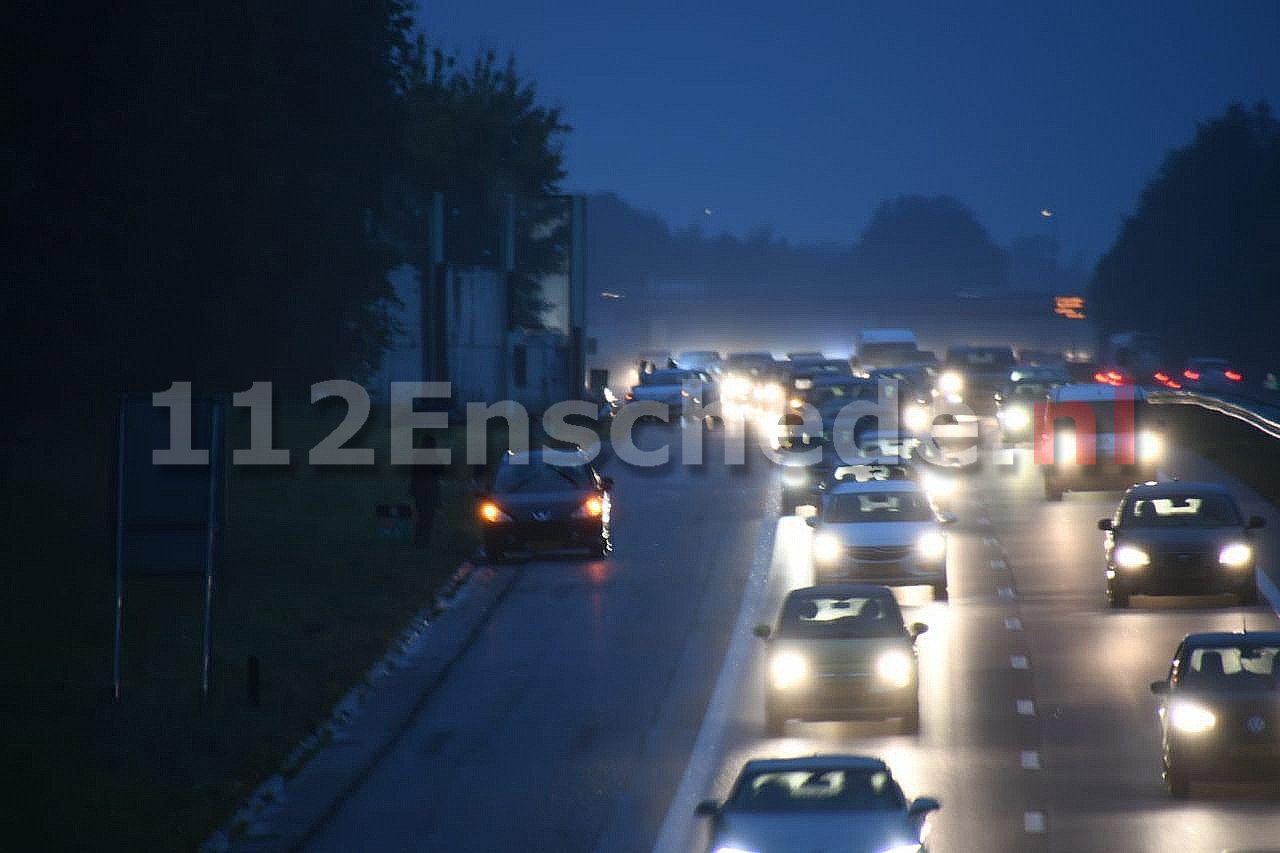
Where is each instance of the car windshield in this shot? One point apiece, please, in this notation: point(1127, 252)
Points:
point(1189, 510)
point(540, 477)
point(1033, 389)
point(828, 617)
point(877, 506)
point(1231, 667)
point(817, 791)
point(981, 358)
point(1104, 416)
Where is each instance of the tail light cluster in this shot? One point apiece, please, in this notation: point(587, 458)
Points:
point(592, 507)
point(1234, 375)
point(1166, 380)
point(1193, 375)
point(1113, 378)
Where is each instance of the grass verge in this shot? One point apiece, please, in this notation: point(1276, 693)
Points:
point(1239, 449)
point(307, 585)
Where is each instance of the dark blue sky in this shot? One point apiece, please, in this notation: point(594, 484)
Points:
point(804, 116)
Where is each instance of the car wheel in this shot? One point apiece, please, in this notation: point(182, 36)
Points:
point(602, 548)
point(940, 591)
point(1051, 491)
point(1117, 598)
point(1178, 782)
point(911, 720)
point(775, 724)
point(1248, 593)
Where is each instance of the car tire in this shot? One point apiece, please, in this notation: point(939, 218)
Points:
point(1051, 491)
point(1248, 594)
point(940, 592)
point(911, 720)
point(602, 548)
point(775, 725)
point(1177, 781)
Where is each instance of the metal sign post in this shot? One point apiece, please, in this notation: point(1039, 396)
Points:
point(169, 501)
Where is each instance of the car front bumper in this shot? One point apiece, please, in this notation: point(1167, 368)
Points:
point(543, 536)
point(841, 697)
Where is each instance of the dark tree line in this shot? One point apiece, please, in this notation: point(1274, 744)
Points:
point(912, 245)
point(216, 191)
point(1198, 263)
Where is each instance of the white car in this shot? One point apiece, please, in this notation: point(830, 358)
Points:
point(882, 532)
point(833, 803)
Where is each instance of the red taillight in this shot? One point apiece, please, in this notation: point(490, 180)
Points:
point(1101, 377)
point(1193, 375)
point(1161, 376)
point(1234, 375)
point(1174, 385)
point(630, 396)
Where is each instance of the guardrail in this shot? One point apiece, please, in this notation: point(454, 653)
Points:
point(1261, 416)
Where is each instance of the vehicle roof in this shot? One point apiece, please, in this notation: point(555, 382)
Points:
point(870, 461)
point(690, 353)
point(1223, 638)
point(814, 762)
point(887, 336)
point(1176, 487)
point(847, 487)
point(964, 348)
point(1089, 392)
point(830, 380)
point(677, 372)
point(846, 589)
point(533, 457)
point(752, 355)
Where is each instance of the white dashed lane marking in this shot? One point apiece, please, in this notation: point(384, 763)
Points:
point(1026, 707)
point(999, 565)
point(1005, 592)
point(1033, 822)
point(1019, 662)
point(1013, 623)
point(1030, 759)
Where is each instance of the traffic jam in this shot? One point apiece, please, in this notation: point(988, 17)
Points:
point(878, 495)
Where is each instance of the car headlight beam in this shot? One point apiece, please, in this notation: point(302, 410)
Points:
point(787, 669)
point(950, 383)
point(1191, 718)
point(1150, 446)
point(826, 548)
point(1129, 557)
point(932, 545)
point(1236, 555)
point(894, 668)
point(916, 418)
point(1015, 418)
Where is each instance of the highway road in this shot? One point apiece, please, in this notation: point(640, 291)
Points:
point(603, 699)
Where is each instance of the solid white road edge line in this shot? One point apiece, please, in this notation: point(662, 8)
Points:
point(703, 759)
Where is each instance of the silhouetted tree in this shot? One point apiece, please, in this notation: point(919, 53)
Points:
point(1199, 260)
point(916, 244)
point(477, 133)
point(192, 191)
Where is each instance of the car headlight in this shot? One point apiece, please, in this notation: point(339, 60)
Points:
point(737, 386)
point(916, 418)
point(787, 669)
point(794, 477)
point(826, 548)
point(1129, 557)
point(491, 513)
point(1236, 555)
point(1191, 718)
point(950, 383)
point(795, 402)
point(1064, 448)
point(932, 545)
point(1150, 446)
point(938, 486)
point(1016, 418)
point(894, 668)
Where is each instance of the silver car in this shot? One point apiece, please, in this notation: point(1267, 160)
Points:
point(833, 803)
point(883, 532)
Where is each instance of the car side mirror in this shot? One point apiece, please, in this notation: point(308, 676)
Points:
point(947, 517)
point(1159, 688)
point(762, 631)
point(1256, 522)
point(812, 521)
point(917, 628)
point(1105, 524)
point(922, 806)
point(707, 808)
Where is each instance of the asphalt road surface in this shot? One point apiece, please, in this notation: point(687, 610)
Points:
point(603, 699)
